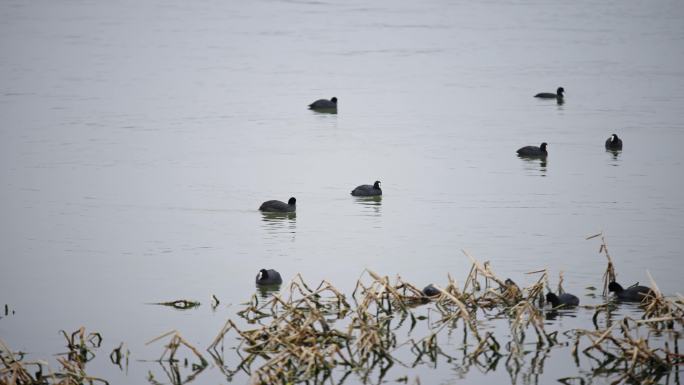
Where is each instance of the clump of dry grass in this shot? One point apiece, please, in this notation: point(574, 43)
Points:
point(625, 354)
point(298, 337)
point(660, 311)
point(295, 336)
point(176, 342)
point(310, 334)
point(169, 361)
point(16, 371)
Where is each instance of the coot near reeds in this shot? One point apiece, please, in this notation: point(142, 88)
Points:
point(614, 143)
point(366, 190)
point(633, 293)
point(563, 300)
point(275, 206)
point(431, 291)
point(533, 151)
point(268, 277)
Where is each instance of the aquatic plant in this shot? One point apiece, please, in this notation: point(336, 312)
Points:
point(307, 334)
point(80, 345)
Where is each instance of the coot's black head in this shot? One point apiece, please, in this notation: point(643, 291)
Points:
point(263, 274)
point(376, 184)
point(292, 201)
point(551, 297)
point(614, 138)
point(560, 91)
point(334, 100)
point(614, 286)
point(543, 146)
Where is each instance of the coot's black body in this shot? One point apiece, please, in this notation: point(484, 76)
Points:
point(533, 151)
point(279, 207)
point(268, 277)
point(324, 104)
point(431, 291)
point(633, 293)
point(614, 143)
point(563, 300)
point(550, 95)
point(366, 190)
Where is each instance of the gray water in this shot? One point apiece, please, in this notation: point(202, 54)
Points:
point(138, 140)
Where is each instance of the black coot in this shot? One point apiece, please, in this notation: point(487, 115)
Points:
point(533, 151)
point(633, 293)
point(324, 104)
point(614, 143)
point(279, 207)
point(366, 190)
point(550, 95)
point(431, 291)
point(268, 277)
point(564, 300)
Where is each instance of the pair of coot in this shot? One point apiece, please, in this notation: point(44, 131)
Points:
point(634, 293)
point(612, 143)
point(276, 206)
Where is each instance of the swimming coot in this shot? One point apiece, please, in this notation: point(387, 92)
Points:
point(550, 95)
point(533, 151)
point(614, 143)
point(564, 300)
point(324, 104)
point(633, 293)
point(268, 277)
point(279, 207)
point(366, 190)
point(431, 291)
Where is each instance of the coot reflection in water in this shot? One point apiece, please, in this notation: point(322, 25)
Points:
point(535, 164)
point(371, 205)
point(615, 154)
point(267, 291)
point(279, 223)
point(268, 216)
point(553, 313)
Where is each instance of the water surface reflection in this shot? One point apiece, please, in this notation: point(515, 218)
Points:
point(279, 223)
point(615, 154)
point(266, 291)
point(535, 164)
point(331, 111)
point(371, 205)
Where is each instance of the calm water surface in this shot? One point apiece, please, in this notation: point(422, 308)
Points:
point(139, 138)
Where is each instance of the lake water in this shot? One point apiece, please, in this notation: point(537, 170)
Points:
point(138, 140)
